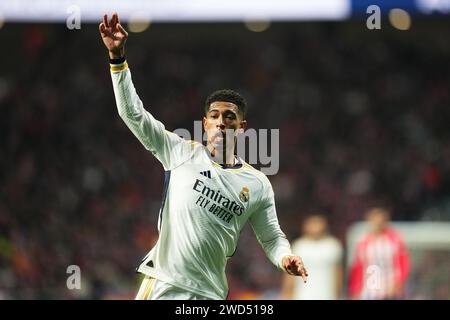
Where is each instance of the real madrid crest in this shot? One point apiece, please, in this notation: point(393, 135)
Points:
point(245, 194)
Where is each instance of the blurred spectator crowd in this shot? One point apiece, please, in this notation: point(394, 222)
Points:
point(363, 117)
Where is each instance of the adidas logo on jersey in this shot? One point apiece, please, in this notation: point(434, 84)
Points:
point(206, 173)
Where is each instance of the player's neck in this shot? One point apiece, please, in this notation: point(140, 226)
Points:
point(224, 157)
point(317, 237)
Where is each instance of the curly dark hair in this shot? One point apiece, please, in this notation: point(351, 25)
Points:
point(227, 95)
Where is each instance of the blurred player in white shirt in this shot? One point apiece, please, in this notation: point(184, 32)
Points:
point(324, 255)
point(209, 193)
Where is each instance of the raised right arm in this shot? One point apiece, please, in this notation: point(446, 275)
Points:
point(168, 148)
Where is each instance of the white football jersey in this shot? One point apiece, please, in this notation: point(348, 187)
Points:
point(323, 256)
point(205, 206)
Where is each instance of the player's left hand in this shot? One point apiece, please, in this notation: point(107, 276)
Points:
point(294, 266)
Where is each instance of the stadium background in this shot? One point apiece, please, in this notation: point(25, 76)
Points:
point(363, 117)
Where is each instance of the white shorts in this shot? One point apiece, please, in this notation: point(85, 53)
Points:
point(154, 289)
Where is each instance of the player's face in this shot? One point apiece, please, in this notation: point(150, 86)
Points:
point(222, 119)
point(378, 219)
point(315, 227)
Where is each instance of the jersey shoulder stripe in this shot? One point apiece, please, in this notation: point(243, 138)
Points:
point(258, 174)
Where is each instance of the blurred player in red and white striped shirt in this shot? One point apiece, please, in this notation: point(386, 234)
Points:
point(381, 261)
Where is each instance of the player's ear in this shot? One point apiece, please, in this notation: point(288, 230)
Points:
point(242, 126)
point(204, 122)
